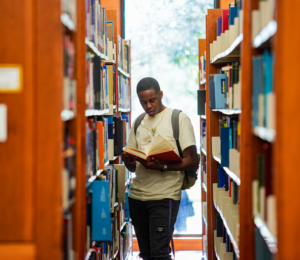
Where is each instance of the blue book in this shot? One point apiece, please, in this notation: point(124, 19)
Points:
point(217, 91)
point(233, 12)
point(219, 226)
point(226, 142)
point(101, 219)
point(219, 26)
point(221, 178)
point(110, 130)
point(220, 91)
point(268, 80)
point(255, 90)
point(126, 208)
point(212, 100)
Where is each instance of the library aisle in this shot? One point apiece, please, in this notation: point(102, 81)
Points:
point(66, 113)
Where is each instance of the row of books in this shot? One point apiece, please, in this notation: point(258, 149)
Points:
point(225, 88)
point(223, 246)
point(96, 25)
point(69, 82)
point(263, 198)
point(202, 72)
point(68, 193)
point(105, 139)
point(108, 207)
point(100, 251)
point(101, 84)
point(226, 198)
point(262, 16)
point(229, 27)
point(227, 145)
point(123, 54)
point(69, 7)
point(68, 173)
point(263, 96)
point(124, 90)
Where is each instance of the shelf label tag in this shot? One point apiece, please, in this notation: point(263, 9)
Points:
point(11, 78)
point(3, 123)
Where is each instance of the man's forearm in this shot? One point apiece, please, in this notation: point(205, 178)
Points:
point(130, 167)
point(186, 164)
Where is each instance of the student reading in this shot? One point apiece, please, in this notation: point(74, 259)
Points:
point(156, 190)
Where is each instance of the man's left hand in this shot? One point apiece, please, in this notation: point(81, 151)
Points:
point(154, 164)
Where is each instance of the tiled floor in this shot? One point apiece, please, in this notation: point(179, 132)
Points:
point(179, 255)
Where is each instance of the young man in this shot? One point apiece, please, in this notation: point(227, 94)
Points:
point(156, 191)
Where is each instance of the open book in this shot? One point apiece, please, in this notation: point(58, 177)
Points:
point(160, 149)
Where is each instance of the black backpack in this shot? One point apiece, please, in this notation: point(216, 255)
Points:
point(190, 176)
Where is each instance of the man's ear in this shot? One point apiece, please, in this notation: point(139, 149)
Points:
point(161, 94)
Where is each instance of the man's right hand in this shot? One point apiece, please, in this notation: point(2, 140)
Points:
point(128, 159)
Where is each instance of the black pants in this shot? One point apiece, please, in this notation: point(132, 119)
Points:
point(152, 226)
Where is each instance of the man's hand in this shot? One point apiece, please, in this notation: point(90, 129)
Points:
point(128, 160)
point(154, 164)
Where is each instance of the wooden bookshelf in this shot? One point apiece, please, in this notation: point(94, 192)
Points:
point(277, 36)
point(231, 54)
point(32, 227)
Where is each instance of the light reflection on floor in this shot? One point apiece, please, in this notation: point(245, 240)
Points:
point(179, 255)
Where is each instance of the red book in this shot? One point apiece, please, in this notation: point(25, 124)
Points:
point(225, 20)
point(160, 149)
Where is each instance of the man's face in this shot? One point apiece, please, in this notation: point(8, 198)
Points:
point(150, 101)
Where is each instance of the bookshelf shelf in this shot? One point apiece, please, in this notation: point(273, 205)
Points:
point(233, 242)
point(203, 82)
point(203, 151)
point(124, 110)
point(228, 112)
point(231, 54)
point(270, 240)
point(203, 117)
point(94, 49)
point(216, 158)
point(95, 112)
point(67, 115)
point(93, 177)
point(123, 73)
point(67, 21)
point(110, 62)
point(123, 226)
point(217, 256)
point(264, 133)
point(204, 220)
point(204, 187)
point(263, 38)
point(233, 176)
point(116, 253)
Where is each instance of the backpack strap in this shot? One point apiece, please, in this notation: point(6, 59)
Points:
point(138, 121)
point(175, 126)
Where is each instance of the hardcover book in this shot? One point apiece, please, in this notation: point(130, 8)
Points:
point(160, 149)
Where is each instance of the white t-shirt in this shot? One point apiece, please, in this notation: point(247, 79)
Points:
point(153, 184)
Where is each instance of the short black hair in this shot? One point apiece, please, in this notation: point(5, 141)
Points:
point(146, 84)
